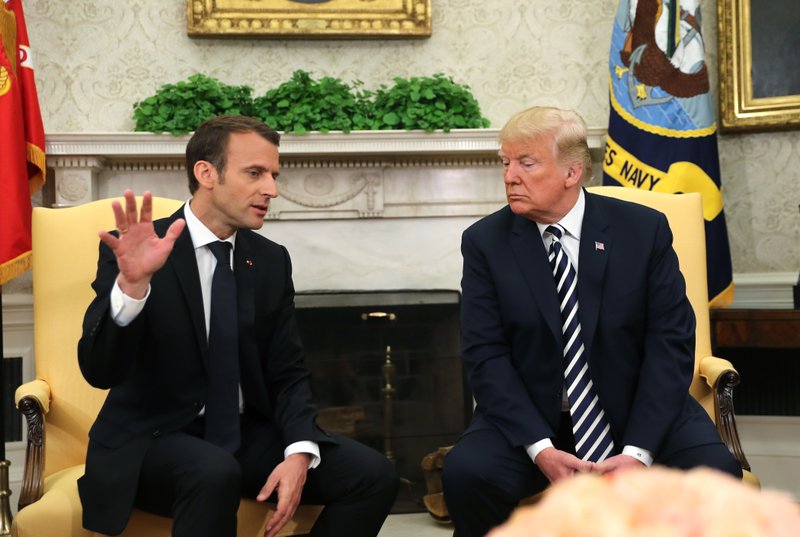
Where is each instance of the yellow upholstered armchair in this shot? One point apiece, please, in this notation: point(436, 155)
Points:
point(59, 405)
point(714, 378)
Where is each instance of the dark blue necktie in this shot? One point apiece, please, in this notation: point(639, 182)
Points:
point(593, 440)
point(222, 403)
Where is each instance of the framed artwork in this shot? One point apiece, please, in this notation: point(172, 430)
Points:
point(759, 64)
point(323, 19)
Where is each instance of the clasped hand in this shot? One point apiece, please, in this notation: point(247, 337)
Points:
point(139, 251)
point(556, 464)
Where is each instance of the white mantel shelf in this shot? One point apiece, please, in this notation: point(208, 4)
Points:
point(325, 176)
point(466, 142)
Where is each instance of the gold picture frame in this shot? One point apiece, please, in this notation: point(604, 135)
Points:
point(742, 108)
point(322, 19)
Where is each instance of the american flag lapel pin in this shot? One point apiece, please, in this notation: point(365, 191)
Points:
point(599, 246)
point(249, 262)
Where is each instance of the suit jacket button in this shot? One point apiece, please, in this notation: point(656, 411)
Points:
point(156, 433)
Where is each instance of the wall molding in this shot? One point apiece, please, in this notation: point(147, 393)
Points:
point(764, 290)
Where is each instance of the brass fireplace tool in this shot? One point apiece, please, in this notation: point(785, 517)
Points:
point(388, 389)
point(388, 370)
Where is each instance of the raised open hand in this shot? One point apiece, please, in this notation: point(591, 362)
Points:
point(139, 251)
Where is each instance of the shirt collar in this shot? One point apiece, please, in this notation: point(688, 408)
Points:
point(573, 220)
point(200, 234)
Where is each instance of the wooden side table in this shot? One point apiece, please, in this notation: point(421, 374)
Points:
point(755, 328)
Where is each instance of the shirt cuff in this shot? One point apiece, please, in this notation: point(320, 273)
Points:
point(533, 450)
point(641, 455)
point(125, 309)
point(305, 446)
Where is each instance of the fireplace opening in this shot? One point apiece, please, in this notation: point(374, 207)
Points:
point(387, 371)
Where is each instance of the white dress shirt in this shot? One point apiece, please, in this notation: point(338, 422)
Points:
point(124, 309)
point(570, 241)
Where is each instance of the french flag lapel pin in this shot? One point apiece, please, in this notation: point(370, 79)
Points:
point(599, 246)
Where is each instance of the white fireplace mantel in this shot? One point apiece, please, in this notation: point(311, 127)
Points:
point(460, 142)
point(361, 210)
point(362, 174)
point(368, 210)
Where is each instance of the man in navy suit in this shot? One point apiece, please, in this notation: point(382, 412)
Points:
point(146, 337)
point(636, 323)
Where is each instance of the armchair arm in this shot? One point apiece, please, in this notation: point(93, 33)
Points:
point(721, 377)
point(33, 401)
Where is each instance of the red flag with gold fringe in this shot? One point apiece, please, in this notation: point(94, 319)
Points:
point(22, 157)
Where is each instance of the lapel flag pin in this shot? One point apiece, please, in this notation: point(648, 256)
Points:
point(249, 262)
point(599, 246)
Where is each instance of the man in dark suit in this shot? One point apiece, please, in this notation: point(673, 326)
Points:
point(625, 321)
point(149, 336)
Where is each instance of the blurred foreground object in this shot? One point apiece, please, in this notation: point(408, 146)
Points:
point(655, 502)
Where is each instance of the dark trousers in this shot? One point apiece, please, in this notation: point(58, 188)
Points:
point(199, 484)
point(484, 478)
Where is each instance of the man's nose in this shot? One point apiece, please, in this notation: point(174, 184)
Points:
point(270, 187)
point(510, 174)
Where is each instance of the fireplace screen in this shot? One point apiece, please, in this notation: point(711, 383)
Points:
point(387, 371)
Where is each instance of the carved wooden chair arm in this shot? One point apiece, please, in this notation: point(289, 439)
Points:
point(722, 377)
point(33, 401)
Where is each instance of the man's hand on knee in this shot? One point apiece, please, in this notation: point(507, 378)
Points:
point(556, 464)
point(287, 479)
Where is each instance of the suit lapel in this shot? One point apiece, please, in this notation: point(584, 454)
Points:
point(528, 248)
point(244, 270)
point(184, 262)
point(595, 247)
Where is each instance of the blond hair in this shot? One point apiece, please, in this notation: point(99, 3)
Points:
point(566, 127)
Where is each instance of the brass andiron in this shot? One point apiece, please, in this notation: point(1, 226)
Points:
point(388, 389)
point(5, 500)
point(388, 403)
point(388, 369)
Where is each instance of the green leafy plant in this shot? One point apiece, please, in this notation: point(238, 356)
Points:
point(302, 104)
point(427, 103)
point(182, 107)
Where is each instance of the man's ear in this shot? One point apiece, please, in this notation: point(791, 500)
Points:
point(574, 172)
point(206, 173)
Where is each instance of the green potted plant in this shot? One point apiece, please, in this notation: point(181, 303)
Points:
point(303, 104)
point(427, 103)
point(180, 108)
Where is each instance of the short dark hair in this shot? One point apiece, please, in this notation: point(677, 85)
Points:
point(210, 142)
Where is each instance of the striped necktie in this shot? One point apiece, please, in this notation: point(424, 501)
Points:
point(593, 441)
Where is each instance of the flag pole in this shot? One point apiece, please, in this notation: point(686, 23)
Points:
point(5, 490)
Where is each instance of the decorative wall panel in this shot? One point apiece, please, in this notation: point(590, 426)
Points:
point(95, 58)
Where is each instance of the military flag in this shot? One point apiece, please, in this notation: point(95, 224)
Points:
point(662, 131)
